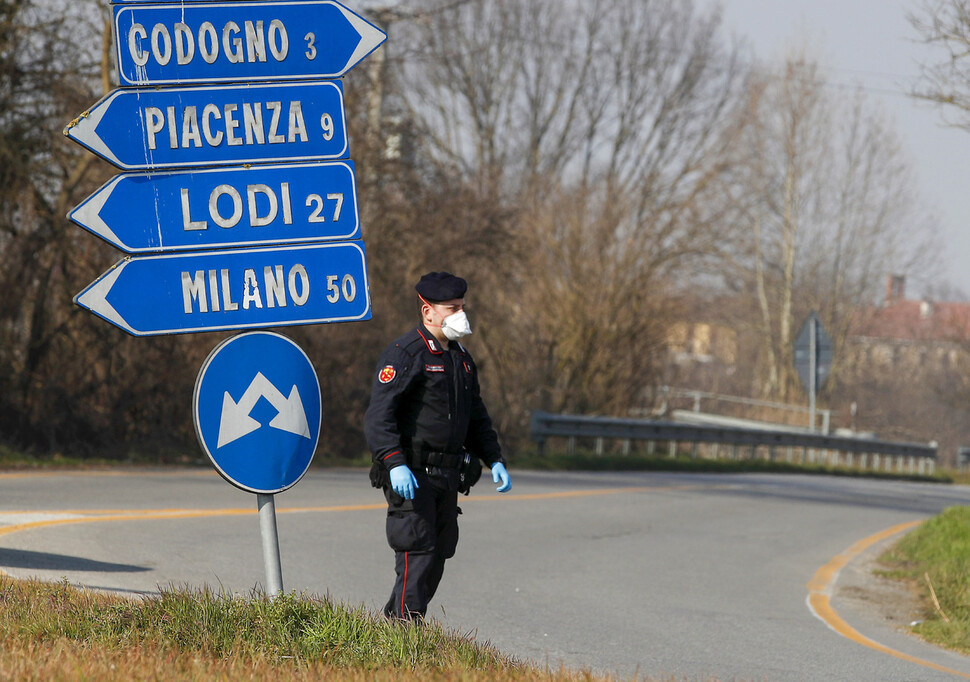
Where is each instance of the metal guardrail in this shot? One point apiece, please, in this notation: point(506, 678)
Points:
point(863, 452)
point(670, 392)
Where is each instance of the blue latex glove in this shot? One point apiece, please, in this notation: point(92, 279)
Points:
point(403, 482)
point(500, 474)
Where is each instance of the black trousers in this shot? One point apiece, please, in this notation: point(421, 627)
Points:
point(423, 533)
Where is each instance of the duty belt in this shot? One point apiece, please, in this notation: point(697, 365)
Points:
point(445, 460)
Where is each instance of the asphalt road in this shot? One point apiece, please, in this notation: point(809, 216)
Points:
point(629, 573)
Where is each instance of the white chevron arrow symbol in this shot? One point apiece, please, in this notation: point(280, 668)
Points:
point(370, 37)
point(236, 422)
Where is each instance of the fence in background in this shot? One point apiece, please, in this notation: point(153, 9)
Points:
point(737, 443)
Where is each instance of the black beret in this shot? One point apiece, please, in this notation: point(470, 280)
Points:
point(441, 286)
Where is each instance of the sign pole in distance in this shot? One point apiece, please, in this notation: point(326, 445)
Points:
point(813, 367)
point(813, 359)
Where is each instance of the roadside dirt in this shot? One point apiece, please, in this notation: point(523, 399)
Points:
point(898, 603)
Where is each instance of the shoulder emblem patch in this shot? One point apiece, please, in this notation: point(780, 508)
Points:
point(387, 374)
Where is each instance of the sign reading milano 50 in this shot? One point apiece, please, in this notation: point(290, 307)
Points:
point(203, 291)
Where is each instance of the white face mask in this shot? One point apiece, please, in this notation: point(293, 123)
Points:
point(456, 326)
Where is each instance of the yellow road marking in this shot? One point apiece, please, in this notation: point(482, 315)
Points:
point(92, 515)
point(104, 472)
point(103, 515)
point(820, 589)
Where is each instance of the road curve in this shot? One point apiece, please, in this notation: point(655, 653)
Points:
point(748, 577)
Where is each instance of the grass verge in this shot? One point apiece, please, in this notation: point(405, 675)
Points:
point(15, 459)
point(935, 557)
point(56, 632)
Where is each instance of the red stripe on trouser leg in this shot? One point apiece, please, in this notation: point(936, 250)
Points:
point(404, 590)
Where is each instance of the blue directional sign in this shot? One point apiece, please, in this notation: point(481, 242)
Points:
point(257, 411)
point(216, 125)
point(217, 207)
point(233, 289)
point(239, 41)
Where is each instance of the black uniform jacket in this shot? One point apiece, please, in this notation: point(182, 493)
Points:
point(425, 394)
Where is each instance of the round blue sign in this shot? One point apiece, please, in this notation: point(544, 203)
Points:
point(257, 411)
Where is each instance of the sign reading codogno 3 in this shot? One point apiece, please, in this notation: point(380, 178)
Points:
point(257, 411)
point(210, 42)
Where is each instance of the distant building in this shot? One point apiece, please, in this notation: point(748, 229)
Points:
point(700, 342)
point(898, 332)
point(911, 333)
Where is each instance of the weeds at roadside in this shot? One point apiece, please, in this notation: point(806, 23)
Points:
point(936, 557)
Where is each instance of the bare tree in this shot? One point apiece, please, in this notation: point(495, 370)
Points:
point(37, 63)
point(945, 26)
point(601, 128)
point(67, 381)
point(827, 195)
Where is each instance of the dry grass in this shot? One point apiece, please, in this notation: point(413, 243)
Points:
point(63, 659)
point(56, 632)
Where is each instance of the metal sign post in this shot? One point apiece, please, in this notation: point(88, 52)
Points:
point(813, 367)
point(271, 544)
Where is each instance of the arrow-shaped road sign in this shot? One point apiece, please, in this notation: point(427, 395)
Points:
point(235, 421)
point(216, 125)
point(217, 207)
point(207, 42)
point(233, 289)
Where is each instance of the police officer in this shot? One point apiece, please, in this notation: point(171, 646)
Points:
point(427, 428)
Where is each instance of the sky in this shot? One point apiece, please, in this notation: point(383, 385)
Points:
point(870, 43)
